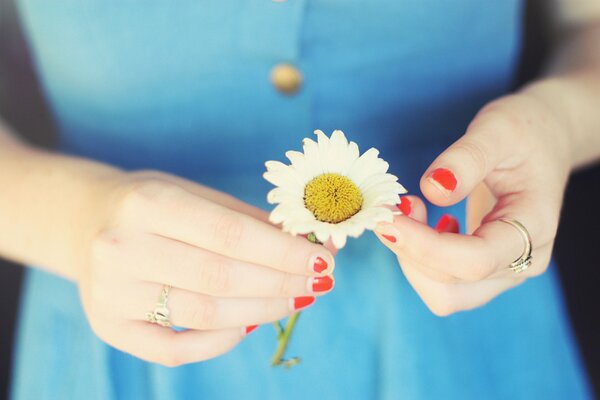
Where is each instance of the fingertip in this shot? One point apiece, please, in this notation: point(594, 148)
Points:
point(387, 233)
point(440, 186)
point(321, 264)
point(413, 207)
point(447, 223)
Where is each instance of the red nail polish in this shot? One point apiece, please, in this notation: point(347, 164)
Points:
point(250, 328)
point(320, 265)
point(447, 223)
point(302, 302)
point(390, 238)
point(445, 178)
point(322, 283)
point(405, 205)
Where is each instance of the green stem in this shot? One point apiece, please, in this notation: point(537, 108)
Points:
point(283, 340)
point(284, 335)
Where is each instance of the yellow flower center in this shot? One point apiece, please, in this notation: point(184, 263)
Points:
point(332, 198)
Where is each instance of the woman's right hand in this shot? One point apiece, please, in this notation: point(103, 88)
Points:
point(228, 267)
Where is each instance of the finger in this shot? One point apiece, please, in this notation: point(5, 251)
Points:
point(224, 199)
point(490, 249)
point(408, 206)
point(464, 257)
point(160, 260)
point(208, 193)
point(413, 207)
point(171, 348)
point(540, 221)
point(195, 311)
point(181, 215)
point(455, 173)
point(444, 298)
point(479, 203)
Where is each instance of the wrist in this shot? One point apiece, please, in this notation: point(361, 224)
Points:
point(49, 207)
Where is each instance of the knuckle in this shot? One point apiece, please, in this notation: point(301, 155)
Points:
point(288, 251)
point(145, 192)
point(441, 276)
point(171, 359)
point(476, 271)
point(215, 276)
point(106, 244)
point(202, 314)
point(284, 285)
point(269, 310)
point(475, 151)
point(443, 303)
point(418, 252)
point(504, 118)
point(441, 309)
point(227, 231)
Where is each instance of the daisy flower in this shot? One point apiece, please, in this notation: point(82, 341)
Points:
point(330, 190)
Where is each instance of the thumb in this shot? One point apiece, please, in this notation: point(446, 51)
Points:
point(455, 173)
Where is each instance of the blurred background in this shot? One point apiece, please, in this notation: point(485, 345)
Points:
point(22, 104)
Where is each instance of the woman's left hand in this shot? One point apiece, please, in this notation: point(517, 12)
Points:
point(513, 162)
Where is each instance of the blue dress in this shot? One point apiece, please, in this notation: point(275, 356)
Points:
point(184, 87)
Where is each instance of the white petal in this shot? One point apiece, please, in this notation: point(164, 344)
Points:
point(323, 230)
point(336, 160)
point(282, 213)
point(338, 237)
point(312, 157)
point(367, 165)
point(324, 151)
point(288, 179)
point(376, 179)
point(282, 195)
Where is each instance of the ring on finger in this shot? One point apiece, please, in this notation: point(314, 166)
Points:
point(524, 260)
point(160, 314)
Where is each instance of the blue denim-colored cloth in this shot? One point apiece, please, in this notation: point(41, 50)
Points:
point(184, 87)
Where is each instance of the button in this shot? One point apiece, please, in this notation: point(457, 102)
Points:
point(286, 78)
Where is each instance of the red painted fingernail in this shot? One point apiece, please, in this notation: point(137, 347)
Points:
point(320, 265)
point(444, 179)
point(302, 302)
point(405, 205)
point(322, 283)
point(447, 223)
point(250, 328)
point(390, 238)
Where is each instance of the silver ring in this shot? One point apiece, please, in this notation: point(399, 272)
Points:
point(524, 260)
point(160, 314)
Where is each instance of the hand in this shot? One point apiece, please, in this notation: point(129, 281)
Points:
point(228, 268)
point(512, 162)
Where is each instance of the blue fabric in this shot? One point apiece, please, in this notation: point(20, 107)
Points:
point(184, 87)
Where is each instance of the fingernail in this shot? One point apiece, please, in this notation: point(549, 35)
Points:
point(390, 238)
point(250, 328)
point(447, 223)
point(302, 302)
point(388, 232)
point(444, 180)
point(405, 205)
point(321, 283)
point(319, 265)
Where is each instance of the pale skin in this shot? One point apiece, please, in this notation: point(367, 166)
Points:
point(113, 232)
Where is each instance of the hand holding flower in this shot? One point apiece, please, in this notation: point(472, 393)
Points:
point(512, 162)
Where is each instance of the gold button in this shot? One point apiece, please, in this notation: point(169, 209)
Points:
point(286, 78)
